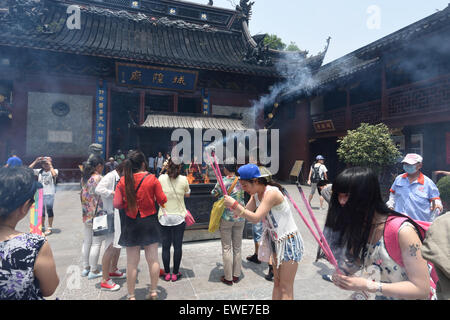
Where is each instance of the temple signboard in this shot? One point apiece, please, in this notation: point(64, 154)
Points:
point(155, 78)
point(324, 126)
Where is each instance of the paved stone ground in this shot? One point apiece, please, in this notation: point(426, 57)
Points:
point(201, 265)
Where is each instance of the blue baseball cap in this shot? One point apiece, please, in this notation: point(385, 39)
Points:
point(250, 171)
point(319, 157)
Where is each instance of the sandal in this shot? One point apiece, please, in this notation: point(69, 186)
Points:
point(131, 297)
point(48, 232)
point(153, 295)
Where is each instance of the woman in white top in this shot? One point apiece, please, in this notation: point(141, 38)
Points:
point(281, 238)
point(172, 218)
point(106, 189)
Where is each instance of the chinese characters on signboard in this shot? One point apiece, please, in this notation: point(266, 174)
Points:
point(205, 102)
point(100, 123)
point(156, 78)
point(324, 126)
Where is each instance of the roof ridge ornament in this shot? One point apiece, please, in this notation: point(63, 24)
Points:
point(245, 7)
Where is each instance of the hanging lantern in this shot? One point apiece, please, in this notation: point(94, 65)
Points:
point(270, 115)
point(276, 105)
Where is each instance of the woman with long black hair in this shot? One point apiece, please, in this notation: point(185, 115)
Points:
point(136, 194)
point(358, 214)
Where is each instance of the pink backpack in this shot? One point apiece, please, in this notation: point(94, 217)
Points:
point(392, 245)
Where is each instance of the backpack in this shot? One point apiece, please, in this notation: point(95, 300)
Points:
point(315, 175)
point(392, 245)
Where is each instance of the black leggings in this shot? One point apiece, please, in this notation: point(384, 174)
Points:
point(172, 235)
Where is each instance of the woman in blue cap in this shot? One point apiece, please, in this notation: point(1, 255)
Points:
point(27, 267)
point(281, 238)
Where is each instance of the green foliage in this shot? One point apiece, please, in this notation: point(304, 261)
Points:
point(273, 42)
point(292, 47)
point(368, 146)
point(444, 188)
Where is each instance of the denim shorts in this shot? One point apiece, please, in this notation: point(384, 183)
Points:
point(257, 231)
point(293, 248)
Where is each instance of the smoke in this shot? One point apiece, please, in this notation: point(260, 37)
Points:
point(297, 79)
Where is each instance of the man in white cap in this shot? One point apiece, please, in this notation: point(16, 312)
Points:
point(413, 193)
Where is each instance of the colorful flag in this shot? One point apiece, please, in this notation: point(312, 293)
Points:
point(36, 213)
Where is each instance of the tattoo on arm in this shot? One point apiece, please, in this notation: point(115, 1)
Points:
point(413, 248)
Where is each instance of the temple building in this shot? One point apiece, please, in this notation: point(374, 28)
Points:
point(401, 80)
point(125, 74)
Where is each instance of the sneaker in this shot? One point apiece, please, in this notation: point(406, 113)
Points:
point(85, 272)
point(254, 258)
point(93, 275)
point(227, 282)
point(117, 274)
point(109, 286)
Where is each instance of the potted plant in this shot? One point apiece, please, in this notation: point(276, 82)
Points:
point(444, 189)
point(371, 146)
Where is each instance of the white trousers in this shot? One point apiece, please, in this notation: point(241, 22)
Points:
point(91, 247)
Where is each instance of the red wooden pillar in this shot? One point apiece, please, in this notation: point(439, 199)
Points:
point(175, 103)
point(348, 111)
point(384, 97)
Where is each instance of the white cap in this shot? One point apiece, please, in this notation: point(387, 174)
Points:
point(412, 158)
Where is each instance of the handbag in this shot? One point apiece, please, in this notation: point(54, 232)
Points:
point(218, 209)
point(265, 248)
point(103, 222)
point(188, 218)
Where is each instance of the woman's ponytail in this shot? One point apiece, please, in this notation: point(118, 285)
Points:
point(129, 184)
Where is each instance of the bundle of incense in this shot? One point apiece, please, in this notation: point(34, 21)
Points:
point(328, 252)
point(222, 185)
point(216, 170)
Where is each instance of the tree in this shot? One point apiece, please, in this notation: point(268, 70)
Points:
point(274, 42)
point(444, 189)
point(292, 47)
point(368, 146)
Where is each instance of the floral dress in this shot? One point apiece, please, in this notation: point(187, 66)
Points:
point(380, 267)
point(17, 258)
point(89, 198)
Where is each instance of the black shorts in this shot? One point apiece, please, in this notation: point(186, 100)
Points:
point(140, 231)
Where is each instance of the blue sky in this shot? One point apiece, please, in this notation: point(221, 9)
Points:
point(351, 24)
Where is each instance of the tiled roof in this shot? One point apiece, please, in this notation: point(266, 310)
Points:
point(134, 36)
point(192, 122)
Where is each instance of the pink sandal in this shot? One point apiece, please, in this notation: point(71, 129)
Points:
point(168, 277)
